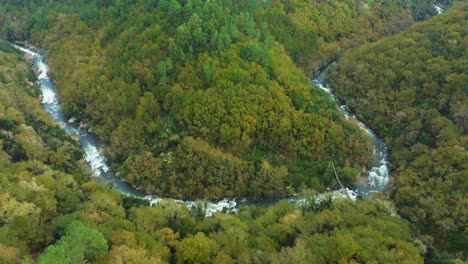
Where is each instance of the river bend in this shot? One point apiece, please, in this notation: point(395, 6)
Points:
point(378, 175)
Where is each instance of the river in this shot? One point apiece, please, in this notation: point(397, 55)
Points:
point(377, 179)
point(378, 175)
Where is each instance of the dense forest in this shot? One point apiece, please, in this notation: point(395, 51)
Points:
point(51, 213)
point(412, 89)
point(196, 99)
point(212, 99)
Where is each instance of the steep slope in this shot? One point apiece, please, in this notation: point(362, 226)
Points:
point(412, 90)
point(50, 214)
point(40, 170)
point(196, 99)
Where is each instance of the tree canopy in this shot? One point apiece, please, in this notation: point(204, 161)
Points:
point(204, 99)
point(212, 99)
point(411, 89)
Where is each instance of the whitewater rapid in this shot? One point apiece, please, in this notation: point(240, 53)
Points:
point(378, 175)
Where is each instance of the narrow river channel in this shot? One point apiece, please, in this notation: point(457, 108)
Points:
point(377, 179)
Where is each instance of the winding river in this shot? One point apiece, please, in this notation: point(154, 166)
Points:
point(377, 179)
point(378, 175)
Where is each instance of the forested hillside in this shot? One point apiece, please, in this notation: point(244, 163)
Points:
point(200, 99)
point(211, 99)
point(40, 172)
point(49, 213)
point(412, 89)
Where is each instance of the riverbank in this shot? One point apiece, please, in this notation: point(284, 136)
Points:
point(99, 165)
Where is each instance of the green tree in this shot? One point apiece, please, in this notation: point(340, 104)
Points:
point(78, 244)
point(196, 249)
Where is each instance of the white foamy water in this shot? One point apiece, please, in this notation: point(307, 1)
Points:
point(333, 195)
point(439, 9)
point(95, 159)
point(48, 96)
point(379, 174)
